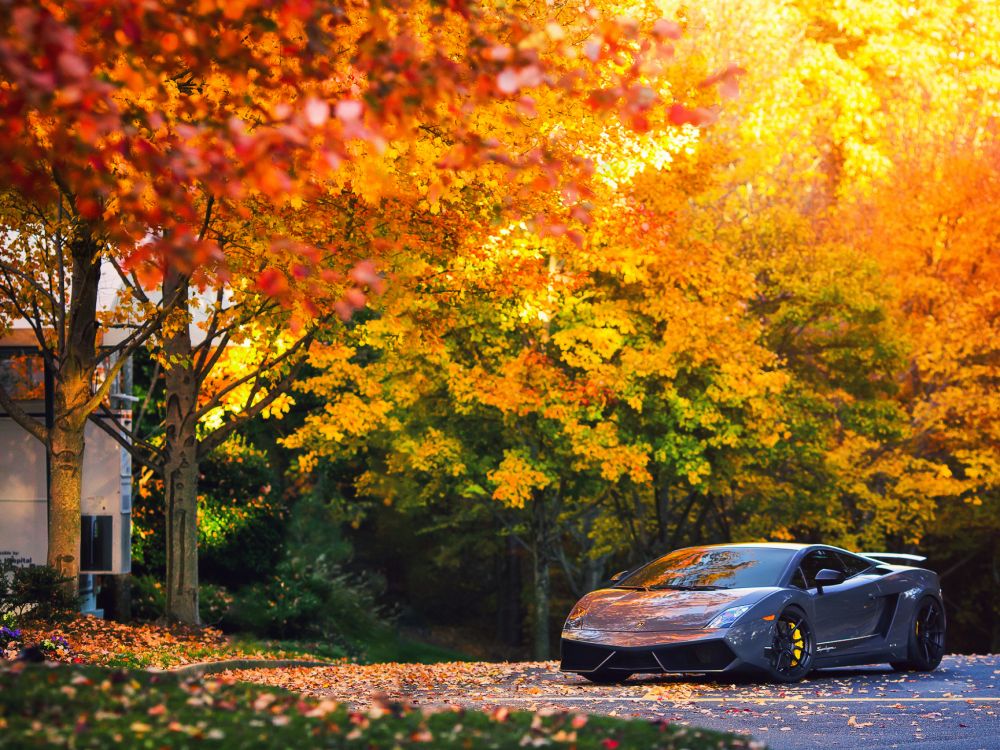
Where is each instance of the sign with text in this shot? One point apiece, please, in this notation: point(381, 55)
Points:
point(23, 510)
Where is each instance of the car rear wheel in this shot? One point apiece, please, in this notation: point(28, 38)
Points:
point(607, 677)
point(926, 644)
point(793, 647)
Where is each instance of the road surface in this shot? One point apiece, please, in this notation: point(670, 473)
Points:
point(956, 707)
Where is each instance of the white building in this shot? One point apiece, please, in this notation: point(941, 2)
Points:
point(107, 471)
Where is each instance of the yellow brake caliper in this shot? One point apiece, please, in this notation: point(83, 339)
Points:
point(798, 643)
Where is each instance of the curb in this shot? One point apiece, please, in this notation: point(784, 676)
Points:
point(212, 667)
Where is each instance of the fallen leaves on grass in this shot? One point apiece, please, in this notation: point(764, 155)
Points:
point(106, 643)
point(158, 710)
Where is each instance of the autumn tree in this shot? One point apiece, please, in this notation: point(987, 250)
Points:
point(134, 122)
point(51, 265)
point(934, 229)
point(727, 331)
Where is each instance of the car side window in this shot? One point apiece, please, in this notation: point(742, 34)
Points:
point(798, 580)
point(818, 560)
point(853, 565)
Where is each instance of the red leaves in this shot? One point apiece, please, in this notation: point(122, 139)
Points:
point(699, 116)
point(272, 282)
point(269, 119)
point(365, 274)
point(511, 79)
point(727, 80)
point(349, 110)
point(664, 29)
point(317, 112)
point(88, 207)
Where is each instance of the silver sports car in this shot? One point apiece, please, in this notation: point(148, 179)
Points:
point(779, 610)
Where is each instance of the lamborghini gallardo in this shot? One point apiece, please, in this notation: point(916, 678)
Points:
point(774, 610)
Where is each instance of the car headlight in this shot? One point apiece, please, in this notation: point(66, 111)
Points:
point(575, 619)
point(727, 618)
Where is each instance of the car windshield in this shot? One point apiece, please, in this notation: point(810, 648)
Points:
point(708, 568)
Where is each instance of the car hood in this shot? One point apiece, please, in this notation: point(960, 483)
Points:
point(627, 610)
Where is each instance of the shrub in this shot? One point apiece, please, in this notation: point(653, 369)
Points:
point(35, 592)
point(307, 599)
point(148, 598)
point(214, 603)
point(241, 518)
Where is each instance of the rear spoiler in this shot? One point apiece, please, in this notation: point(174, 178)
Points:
point(890, 556)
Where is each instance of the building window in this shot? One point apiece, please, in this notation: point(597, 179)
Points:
point(95, 544)
point(22, 374)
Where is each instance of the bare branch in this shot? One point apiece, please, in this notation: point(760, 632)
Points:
point(132, 282)
point(151, 458)
point(30, 280)
point(36, 326)
point(142, 332)
point(201, 372)
point(208, 217)
point(19, 415)
point(210, 333)
point(145, 402)
point(216, 399)
point(218, 436)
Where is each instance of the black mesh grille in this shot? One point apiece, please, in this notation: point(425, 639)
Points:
point(583, 657)
point(688, 657)
point(711, 655)
point(637, 661)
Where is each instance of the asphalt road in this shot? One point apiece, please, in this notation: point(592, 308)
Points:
point(956, 707)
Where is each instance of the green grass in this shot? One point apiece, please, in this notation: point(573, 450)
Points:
point(93, 707)
point(391, 646)
point(242, 647)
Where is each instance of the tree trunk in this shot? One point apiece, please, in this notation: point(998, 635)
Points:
point(593, 572)
point(995, 587)
point(542, 587)
point(180, 466)
point(661, 494)
point(541, 578)
point(72, 387)
point(509, 622)
point(65, 490)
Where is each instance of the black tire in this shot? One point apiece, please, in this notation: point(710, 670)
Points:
point(793, 648)
point(925, 647)
point(607, 677)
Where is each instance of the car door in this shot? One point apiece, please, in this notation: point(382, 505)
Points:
point(845, 613)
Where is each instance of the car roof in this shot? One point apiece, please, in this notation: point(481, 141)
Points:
point(791, 546)
point(752, 545)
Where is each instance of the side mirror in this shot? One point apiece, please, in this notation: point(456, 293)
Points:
point(828, 577)
point(618, 576)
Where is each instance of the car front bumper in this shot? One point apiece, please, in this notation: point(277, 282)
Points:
point(707, 650)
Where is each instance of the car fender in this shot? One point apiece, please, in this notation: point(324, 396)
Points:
point(908, 586)
point(752, 635)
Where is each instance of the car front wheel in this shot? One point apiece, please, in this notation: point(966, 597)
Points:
point(793, 647)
